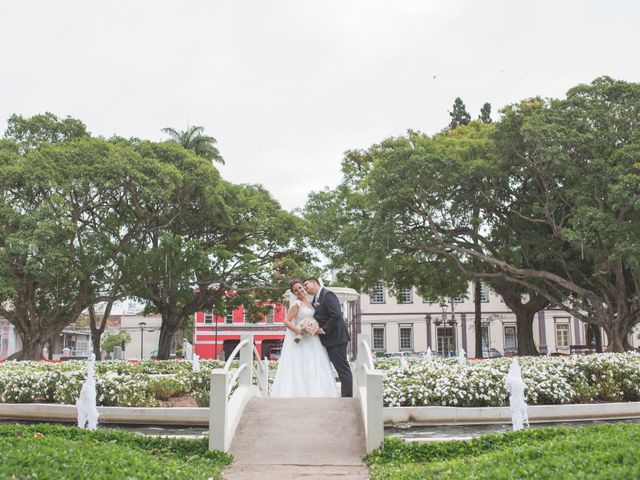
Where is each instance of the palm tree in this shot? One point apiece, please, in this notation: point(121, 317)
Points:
point(193, 139)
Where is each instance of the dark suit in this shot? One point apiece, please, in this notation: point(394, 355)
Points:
point(336, 336)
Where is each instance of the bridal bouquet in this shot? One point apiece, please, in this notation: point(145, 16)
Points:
point(309, 327)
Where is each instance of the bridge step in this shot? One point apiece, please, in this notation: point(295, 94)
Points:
point(300, 431)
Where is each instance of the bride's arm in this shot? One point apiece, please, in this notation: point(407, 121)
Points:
point(291, 314)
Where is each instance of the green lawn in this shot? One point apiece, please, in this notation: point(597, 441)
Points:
point(608, 451)
point(48, 451)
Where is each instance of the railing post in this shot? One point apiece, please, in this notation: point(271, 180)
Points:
point(361, 361)
point(265, 377)
point(370, 392)
point(218, 405)
point(246, 357)
point(375, 411)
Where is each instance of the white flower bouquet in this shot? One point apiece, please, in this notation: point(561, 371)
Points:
point(309, 327)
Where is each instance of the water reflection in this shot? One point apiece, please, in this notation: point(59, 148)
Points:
point(462, 432)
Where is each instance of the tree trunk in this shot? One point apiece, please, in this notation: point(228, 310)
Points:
point(97, 331)
point(524, 327)
point(31, 348)
point(618, 335)
point(50, 348)
point(525, 312)
point(597, 333)
point(616, 343)
point(477, 320)
point(167, 333)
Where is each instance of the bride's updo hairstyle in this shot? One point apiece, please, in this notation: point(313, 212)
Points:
point(293, 282)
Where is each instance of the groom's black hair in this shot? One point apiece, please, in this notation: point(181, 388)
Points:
point(312, 278)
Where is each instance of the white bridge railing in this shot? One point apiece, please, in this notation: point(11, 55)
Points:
point(369, 391)
point(225, 407)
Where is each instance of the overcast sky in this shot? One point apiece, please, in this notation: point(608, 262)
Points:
point(287, 86)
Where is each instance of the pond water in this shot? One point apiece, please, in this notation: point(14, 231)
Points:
point(464, 432)
point(411, 433)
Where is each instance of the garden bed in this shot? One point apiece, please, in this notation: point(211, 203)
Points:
point(576, 379)
point(54, 451)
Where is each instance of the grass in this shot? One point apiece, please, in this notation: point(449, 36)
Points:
point(45, 451)
point(608, 451)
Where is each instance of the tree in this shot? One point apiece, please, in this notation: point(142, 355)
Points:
point(557, 205)
point(404, 203)
point(216, 246)
point(112, 340)
point(485, 113)
point(193, 138)
point(28, 133)
point(459, 115)
point(69, 209)
point(574, 164)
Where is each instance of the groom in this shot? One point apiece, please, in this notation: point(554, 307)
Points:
point(336, 337)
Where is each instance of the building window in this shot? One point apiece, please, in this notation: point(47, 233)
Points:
point(485, 338)
point(562, 335)
point(405, 295)
point(510, 339)
point(246, 314)
point(484, 292)
point(82, 346)
point(269, 315)
point(446, 339)
point(406, 337)
point(228, 316)
point(208, 317)
point(378, 338)
point(377, 293)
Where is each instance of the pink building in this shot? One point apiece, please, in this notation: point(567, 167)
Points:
point(216, 336)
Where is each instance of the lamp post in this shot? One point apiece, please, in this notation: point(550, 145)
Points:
point(427, 319)
point(451, 322)
point(444, 308)
point(142, 326)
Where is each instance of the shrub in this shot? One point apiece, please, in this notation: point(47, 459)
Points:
point(164, 388)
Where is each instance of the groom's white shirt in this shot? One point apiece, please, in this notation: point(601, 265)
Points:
point(317, 296)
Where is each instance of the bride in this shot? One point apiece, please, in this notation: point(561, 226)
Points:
point(303, 368)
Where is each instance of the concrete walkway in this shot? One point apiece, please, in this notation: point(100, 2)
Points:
point(282, 438)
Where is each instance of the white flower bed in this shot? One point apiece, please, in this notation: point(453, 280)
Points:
point(607, 377)
point(118, 383)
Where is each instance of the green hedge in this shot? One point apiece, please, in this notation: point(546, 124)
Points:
point(596, 452)
point(46, 451)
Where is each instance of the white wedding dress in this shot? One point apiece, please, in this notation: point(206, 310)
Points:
point(304, 369)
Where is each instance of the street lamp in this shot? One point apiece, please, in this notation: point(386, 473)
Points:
point(142, 325)
point(444, 308)
point(451, 321)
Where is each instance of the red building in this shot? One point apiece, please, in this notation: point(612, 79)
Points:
point(216, 334)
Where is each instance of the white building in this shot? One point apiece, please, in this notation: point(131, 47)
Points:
point(145, 334)
point(9, 339)
point(409, 323)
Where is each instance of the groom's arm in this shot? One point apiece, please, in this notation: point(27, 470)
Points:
point(334, 311)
